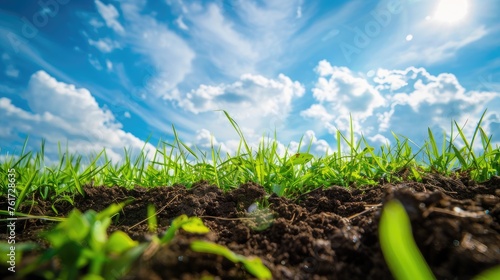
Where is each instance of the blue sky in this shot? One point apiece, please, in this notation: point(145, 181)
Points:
point(110, 74)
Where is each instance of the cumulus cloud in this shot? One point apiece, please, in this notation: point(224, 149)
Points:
point(253, 99)
point(61, 111)
point(340, 91)
point(407, 101)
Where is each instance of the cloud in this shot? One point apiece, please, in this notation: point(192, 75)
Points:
point(181, 23)
point(11, 71)
point(105, 45)
point(341, 91)
point(110, 15)
point(429, 53)
point(229, 50)
point(94, 62)
point(406, 101)
point(61, 111)
point(109, 65)
point(251, 97)
point(168, 54)
point(318, 111)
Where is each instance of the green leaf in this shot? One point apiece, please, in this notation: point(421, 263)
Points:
point(19, 249)
point(212, 248)
point(257, 268)
point(99, 235)
point(118, 266)
point(400, 251)
point(489, 274)
point(92, 277)
point(300, 158)
point(195, 225)
point(75, 227)
point(174, 226)
point(112, 209)
point(152, 221)
point(119, 242)
point(253, 265)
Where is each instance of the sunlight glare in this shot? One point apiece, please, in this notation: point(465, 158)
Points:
point(451, 11)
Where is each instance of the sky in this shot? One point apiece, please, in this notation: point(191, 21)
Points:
point(119, 74)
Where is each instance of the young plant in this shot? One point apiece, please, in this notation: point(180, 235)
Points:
point(253, 265)
point(81, 243)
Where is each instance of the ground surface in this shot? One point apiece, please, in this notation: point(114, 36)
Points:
point(330, 233)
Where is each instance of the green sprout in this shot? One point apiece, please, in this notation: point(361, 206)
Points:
point(253, 265)
point(81, 243)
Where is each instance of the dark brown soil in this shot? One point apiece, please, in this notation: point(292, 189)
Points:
point(329, 233)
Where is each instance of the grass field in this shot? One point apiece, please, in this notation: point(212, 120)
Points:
point(290, 174)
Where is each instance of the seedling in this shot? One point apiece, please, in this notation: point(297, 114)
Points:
point(81, 242)
point(252, 264)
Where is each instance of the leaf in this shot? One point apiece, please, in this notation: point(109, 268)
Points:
point(75, 227)
point(112, 209)
point(92, 277)
point(489, 274)
point(398, 247)
point(252, 265)
point(99, 235)
point(152, 221)
point(119, 242)
point(300, 158)
point(119, 265)
point(195, 225)
point(257, 268)
point(212, 248)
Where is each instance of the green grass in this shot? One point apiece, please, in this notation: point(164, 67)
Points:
point(291, 174)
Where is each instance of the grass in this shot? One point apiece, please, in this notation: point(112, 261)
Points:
point(289, 174)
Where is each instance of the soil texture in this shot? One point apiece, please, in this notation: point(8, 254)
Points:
point(329, 233)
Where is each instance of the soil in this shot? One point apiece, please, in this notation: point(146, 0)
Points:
point(329, 233)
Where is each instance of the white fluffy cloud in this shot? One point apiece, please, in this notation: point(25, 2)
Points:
point(62, 112)
point(253, 93)
point(254, 101)
point(405, 101)
point(342, 93)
